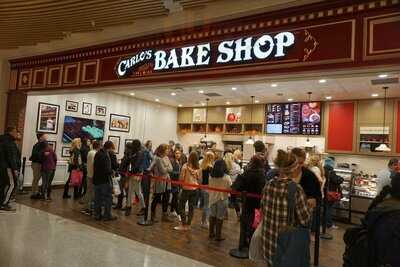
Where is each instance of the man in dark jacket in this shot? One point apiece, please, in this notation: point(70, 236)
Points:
point(36, 159)
point(102, 181)
point(10, 166)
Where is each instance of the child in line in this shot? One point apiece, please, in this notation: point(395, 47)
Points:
point(49, 165)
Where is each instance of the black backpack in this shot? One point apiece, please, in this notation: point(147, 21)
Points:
point(376, 243)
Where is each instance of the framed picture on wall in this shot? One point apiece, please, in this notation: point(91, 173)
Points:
point(47, 118)
point(52, 144)
point(116, 141)
point(120, 123)
point(87, 108)
point(65, 152)
point(101, 111)
point(71, 106)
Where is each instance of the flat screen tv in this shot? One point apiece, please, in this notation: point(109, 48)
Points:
point(83, 128)
point(293, 118)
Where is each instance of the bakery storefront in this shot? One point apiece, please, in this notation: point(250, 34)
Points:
point(311, 76)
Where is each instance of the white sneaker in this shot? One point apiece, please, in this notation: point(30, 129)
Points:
point(334, 227)
point(179, 218)
point(204, 225)
point(174, 214)
point(181, 228)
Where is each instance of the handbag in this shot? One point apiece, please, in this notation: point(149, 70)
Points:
point(76, 178)
point(256, 251)
point(257, 218)
point(333, 196)
point(115, 185)
point(293, 245)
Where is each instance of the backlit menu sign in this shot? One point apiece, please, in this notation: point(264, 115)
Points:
point(294, 118)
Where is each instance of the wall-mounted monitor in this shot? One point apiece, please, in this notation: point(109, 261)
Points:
point(82, 128)
point(293, 118)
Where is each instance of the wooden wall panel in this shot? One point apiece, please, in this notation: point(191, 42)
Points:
point(340, 135)
point(398, 127)
point(90, 72)
point(71, 74)
point(25, 79)
point(39, 77)
point(54, 76)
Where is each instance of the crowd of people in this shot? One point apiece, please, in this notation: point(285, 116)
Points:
point(288, 194)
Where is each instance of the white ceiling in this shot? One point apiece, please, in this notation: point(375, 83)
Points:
point(342, 88)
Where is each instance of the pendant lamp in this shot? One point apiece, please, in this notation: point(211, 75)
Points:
point(250, 141)
point(308, 143)
point(204, 138)
point(383, 147)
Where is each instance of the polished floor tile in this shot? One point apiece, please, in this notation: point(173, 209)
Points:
point(35, 238)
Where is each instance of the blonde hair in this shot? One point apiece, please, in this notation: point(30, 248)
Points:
point(76, 144)
point(315, 160)
point(208, 160)
point(228, 158)
point(237, 154)
point(286, 162)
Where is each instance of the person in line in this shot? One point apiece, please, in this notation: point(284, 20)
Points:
point(148, 156)
point(75, 163)
point(161, 167)
point(251, 181)
point(333, 184)
point(36, 158)
point(218, 200)
point(274, 205)
point(102, 175)
point(171, 148)
point(89, 196)
point(261, 151)
point(175, 189)
point(183, 159)
point(233, 171)
point(315, 165)
point(385, 175)
point(10, 172)
point(238, 157)
point(85, 148)
point(206, 166)
point(49, 164)
point(132, 163)
point(190, 174)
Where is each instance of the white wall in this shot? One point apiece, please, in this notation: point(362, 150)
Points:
point(149, 121)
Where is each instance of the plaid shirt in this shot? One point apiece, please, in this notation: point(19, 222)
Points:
point(275, 213)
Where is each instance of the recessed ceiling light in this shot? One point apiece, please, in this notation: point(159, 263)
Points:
point(173, 94)
point(375, 95)
point(157, 100)
point(228, 103)
point(322, 81)
point(257, 101)
point(201, 92)
point(328, 97)
point(203, 104)
point(180, 105)
point(290, 99)
point(274, 85)
point(132, 94)
point(382, 75)
point(234, 88)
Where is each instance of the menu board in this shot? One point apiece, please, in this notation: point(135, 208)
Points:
point(294, 118)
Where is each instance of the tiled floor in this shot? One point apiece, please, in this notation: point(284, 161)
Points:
point(34, 238)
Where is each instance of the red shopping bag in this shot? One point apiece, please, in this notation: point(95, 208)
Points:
point(76, 178)
point(257, 218)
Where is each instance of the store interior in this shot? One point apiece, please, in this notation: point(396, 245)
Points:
point(230, 112)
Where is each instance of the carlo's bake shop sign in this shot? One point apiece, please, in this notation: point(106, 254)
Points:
point(265, 47)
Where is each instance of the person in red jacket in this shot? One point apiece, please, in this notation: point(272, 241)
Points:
point(49, 164)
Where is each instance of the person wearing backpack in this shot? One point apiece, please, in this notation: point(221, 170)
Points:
point(379, 235)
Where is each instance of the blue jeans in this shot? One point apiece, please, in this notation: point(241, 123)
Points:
point(206, 209)
point(328, 215)
point(102, 198)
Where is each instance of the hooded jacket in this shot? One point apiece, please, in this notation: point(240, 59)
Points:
point(10, 152)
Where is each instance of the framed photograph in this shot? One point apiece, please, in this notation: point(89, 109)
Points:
point(101, 111)
point(71, 106)
point(52, 144)
point(120, 123)
point(86, 108)
point(65, 152)
point(47, 118)
point(116, 141)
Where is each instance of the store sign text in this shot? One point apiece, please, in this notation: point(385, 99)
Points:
point(232, 51)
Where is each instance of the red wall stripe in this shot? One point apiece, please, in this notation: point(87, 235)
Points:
point(341, 126)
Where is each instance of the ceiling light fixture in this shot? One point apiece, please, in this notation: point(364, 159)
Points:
point(374, 95)
point(204, 139)
point(328, 97)
point(382, 75)
point(180, 105)
point(257, 101)
point(274, 85)
point(173, 94)
point(228, 103)
point(250, 141)
point(203, 104)
point(201, 92)
point(290, 99)
point(383, 147)
point(234, 88)
point(322, 81)
point(157, 100)
point(308, 143)
point(132, 94)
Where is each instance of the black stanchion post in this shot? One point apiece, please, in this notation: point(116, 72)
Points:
point(21, 179)
point(242, 252)
point(146, 181)
point(317, 232)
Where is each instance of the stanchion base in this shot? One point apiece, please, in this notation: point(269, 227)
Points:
point(143, 222)
point(239, 253)
point(326, 236)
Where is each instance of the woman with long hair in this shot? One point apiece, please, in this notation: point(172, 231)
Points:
point(206, 166)
point(233, 170)
point(74, 163)
point(190, 174)
point(161, 167)
point(275, 207)
point(174, 174)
